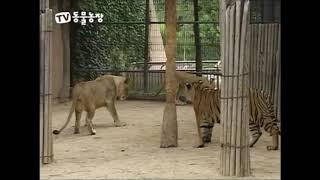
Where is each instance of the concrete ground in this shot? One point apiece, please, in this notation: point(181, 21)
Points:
point(132, 151)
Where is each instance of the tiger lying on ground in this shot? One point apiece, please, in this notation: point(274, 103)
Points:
point(206, 104)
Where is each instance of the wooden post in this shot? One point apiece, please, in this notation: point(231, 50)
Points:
point(169, 133)
point(46, 144)
point(234, 99)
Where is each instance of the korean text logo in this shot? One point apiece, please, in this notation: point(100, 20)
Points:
point(65, 17)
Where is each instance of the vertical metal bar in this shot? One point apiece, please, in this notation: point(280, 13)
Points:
point(146, 50)
point(197, 39)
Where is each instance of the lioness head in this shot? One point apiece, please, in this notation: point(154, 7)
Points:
point(123, 88)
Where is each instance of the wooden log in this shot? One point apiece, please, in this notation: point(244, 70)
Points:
point(45, 159)
point(265, 57)
point(222, 16)
point(245, 158)
point(260, 55)
point(230, 105)
point(49, 97)
point(250, 55)
point(273, 62)
point(256, 68)
point(273, 59)
point(43, 6)
point(224, 102)
point(243, 83)
point(46, 44)
point(255, 56)
point(264, 79)
point(41, 90)
point(234, 88)
point(278, 59)
point(269, 59)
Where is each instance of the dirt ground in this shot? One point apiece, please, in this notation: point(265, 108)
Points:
point(132, 151)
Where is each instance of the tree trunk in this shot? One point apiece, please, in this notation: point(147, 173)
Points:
point(169, 133)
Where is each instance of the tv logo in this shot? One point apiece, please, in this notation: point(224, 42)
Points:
point(63, 17)
point(66, 17)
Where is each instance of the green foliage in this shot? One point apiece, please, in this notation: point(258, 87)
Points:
point(209, 33)
point(106, 46)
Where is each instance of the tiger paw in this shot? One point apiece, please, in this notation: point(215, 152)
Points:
point(199, 146)
point(180, 103)
point(206, 139)
point(119, 124)
point(94, 132)
point(270, 148)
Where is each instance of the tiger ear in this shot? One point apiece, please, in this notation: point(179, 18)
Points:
point(188, 85)
point(126, 80)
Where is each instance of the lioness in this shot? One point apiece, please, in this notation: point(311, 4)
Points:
point(91, 95)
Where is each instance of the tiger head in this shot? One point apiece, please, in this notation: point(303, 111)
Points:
point(190, 87)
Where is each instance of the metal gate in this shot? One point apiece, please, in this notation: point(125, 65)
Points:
point(264, 39)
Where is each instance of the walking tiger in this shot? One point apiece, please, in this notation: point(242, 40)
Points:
point(206, 104)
